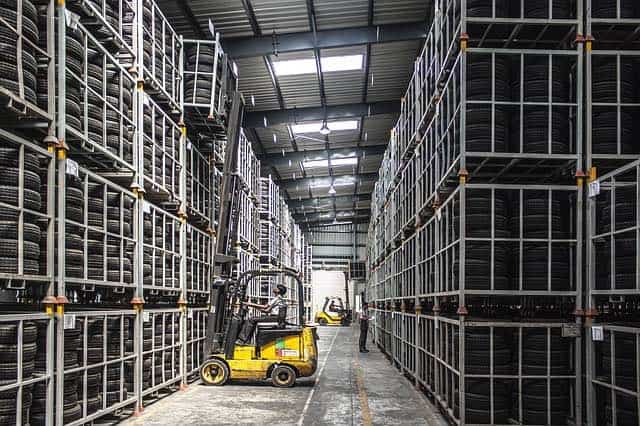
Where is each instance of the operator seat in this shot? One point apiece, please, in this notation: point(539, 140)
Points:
point(268, 332)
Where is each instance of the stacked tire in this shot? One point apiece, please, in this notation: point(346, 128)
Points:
point(158, 253)
point(624, 360)
point(117, 333)
point(9, 352)
point(38, 407)
point(608, 9)
point(154, 58)
point(624, 244)
point(74, 236)
point(484, 8)
point(479, 124)
point(71, 405)
point(166, 355)
point(477, 361)
point(109, 13)
point(539, 9)
point(108, 125)
point(129, 366)
point(478, 254)
point(605, 120)
point(536, 257)
point(477, 347)
point(536, 121)
point(535, 399)
point(533, 9)
point(112, 215)
point(161, 150)
point(74, 65)
point(478, 402)
point(10, 61)
point(73, 62)
point(534, 353)
point(198, 90)
point(10, 218)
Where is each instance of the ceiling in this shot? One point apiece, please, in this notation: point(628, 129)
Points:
point(387, 33)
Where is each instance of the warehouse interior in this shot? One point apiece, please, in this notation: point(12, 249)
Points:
point(320, 212)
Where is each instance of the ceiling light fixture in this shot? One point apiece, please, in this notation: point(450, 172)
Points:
point(332, 190)
point(325, 130)
point(334, 126)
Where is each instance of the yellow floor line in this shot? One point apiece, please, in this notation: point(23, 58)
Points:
point(362, 394)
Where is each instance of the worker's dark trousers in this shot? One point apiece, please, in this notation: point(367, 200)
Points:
point(364, 329)
point(250, 326)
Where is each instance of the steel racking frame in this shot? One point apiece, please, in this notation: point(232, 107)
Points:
point(107, 176)
point(611, 379)
point(612, 294)
point(423, 214)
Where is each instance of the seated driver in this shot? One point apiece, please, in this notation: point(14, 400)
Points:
point(272, 309)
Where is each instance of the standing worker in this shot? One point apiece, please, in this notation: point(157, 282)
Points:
point(364, 327)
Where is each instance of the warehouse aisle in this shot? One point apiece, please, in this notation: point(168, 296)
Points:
point(350, 389)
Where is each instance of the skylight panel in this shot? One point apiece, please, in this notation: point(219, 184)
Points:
point(315, 164)
point(350, 161)
point(308, 66)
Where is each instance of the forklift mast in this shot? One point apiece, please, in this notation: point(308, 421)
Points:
point(221, 289)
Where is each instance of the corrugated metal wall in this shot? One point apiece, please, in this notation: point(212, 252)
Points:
point(334, 244)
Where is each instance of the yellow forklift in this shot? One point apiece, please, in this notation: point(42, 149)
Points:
point(282, 351)
point(333, 313)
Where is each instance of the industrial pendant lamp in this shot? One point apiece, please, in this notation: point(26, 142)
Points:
point(332, 190)
point(325, 130)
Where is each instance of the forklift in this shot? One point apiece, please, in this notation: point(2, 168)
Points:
point(282, 351)
point(333, 312)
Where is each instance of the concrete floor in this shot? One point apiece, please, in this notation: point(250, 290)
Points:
point(351, 389)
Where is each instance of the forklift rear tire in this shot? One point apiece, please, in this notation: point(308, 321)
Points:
point(283, 376)
point(214, 372)
point(322, 321)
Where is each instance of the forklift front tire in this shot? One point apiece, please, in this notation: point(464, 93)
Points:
point(322, 321)
point(283, 376)
point(214, 372)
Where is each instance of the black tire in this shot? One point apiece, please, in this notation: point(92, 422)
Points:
point(283, 376)
point(214, 372)
point(9, 371)
point(9, 333)
point(9, 353)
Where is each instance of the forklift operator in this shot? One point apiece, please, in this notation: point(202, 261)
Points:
point(273, 309)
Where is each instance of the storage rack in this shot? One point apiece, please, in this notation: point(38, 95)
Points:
point(477, 217)
point(612, 353)
point(281, 244)
point(307, 271)
point(109, 211)
point(612, 297)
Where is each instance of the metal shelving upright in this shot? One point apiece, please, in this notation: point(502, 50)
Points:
point(469, 257)
point(611, 217)
point(612, 297)
point(115, 211)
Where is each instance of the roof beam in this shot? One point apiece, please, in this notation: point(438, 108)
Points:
point(325, 182)
point(188, 13)
point(338, 179)
point(363, 196)
point(246, 47)
point(321, 154)
point(353, 216)
point(327, 209)
point(318, 202)
point(296, 115)
point(255, 27)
